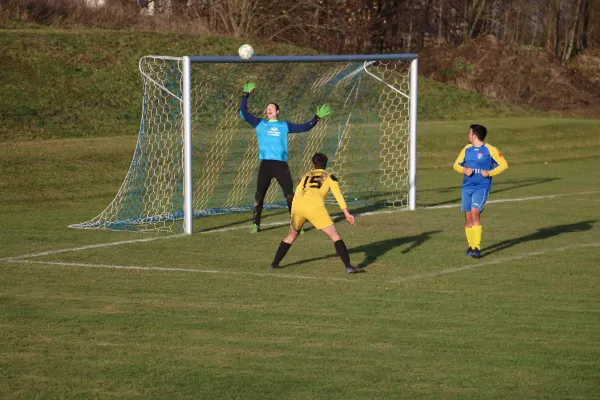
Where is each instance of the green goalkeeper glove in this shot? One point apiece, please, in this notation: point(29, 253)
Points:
point(248, 87)
point(323, 111)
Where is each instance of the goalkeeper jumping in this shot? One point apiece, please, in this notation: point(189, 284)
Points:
point(273, 150)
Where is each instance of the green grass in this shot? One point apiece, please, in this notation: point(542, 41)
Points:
point(207, 322)
point(201, 316)
point(86, 83)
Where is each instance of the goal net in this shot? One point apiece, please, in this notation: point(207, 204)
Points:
point(195, 155)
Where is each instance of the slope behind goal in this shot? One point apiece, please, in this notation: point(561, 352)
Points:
point(195, 156)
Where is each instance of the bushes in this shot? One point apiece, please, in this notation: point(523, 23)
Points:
point(113, 14)
point(43, 12)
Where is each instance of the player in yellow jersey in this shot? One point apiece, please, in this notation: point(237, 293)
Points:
point(309, 205)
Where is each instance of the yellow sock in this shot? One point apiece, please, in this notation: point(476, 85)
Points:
point(476, 236)
point(469, 232)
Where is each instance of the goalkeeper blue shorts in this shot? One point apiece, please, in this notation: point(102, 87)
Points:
point(474, 198)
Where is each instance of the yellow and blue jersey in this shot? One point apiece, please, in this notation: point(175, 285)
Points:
point(483, 158)
point(273, 135)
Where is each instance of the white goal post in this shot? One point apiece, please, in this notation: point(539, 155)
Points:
point(195, 156)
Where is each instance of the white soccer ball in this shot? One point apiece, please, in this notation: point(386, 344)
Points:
point(246, 51)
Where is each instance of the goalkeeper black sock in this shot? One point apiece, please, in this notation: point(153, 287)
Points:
point(281, 252)
point(257, 214)
point(342, 251)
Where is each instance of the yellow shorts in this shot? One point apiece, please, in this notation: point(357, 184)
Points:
point(316, 213)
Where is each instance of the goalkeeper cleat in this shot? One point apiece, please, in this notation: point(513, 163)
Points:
point(255, 228)
point(469, 251)
point(476, 253)
point(354, 270)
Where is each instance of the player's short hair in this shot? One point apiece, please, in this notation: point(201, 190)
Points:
point(276, 106)
point(319, 160)
point(479, 130)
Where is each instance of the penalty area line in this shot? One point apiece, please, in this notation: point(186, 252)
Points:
point(167, 269)
point(91, 246)
point(491, 262)
point(339, 217)
point(334, 217)
point(455, 205)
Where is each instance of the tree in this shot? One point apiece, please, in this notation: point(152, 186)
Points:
point(586, 24)
point(571, 35)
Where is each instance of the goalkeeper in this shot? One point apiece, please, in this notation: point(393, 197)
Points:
point(273, 150)
point(478, 162)
point(309, 204)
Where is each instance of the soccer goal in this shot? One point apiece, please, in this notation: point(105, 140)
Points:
point(195, 156)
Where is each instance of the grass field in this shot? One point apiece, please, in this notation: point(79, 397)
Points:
point(98, 314)
point(81, 83)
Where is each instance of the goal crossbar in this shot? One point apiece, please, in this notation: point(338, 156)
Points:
point(303, 59)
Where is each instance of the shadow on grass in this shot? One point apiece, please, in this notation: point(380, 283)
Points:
point(499, 187)
point(373, 251)
point(245, 221)
point(336, 217)
point(542, 233)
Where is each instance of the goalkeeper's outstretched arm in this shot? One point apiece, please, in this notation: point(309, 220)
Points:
point(322, 112)
point(251, 119)
point(298, 128)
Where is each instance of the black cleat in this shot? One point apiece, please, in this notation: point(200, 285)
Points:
point(469, 251)
point(476, 253)
point(277, 266)
point(354, 270)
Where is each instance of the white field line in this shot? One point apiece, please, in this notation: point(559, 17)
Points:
point(416, 277)
point(96, 246)
point(392, 211)
point(204, 271)
point(92, 246)
point(454, 205)
point(496, 261)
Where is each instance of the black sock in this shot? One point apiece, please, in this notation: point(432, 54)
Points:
point(256, 214)
point(281, 252)
point(342, 251)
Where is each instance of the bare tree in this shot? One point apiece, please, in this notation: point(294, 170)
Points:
point(586, 24)
point(571, 34)
point(477, 10)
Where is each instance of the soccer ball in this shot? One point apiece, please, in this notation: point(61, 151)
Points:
point(246, 51)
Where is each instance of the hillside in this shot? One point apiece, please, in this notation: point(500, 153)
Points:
point(85, 83)
point(524, 75)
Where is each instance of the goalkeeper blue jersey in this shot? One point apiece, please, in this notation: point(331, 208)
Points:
point(483, 158)
point(273, 135)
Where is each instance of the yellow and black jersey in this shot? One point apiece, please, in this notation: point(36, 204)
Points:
point(314, 187)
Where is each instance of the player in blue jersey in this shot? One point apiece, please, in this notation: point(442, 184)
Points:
point(478, 162)
point(273, 150)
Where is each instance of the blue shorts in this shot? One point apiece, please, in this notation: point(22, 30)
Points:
point(474, 198)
